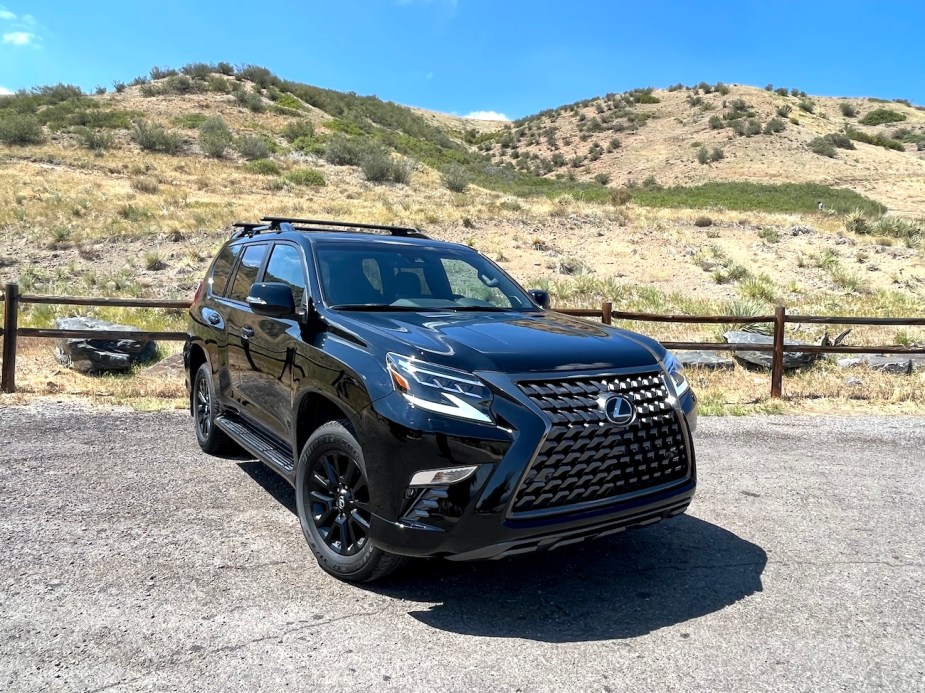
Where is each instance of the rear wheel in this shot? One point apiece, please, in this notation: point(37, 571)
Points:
point(332, 497)
point(210, 438)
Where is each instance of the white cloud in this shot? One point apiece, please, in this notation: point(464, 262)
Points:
point(486, 115)
point(5, 92)
point(6, 14)
point(18, 38)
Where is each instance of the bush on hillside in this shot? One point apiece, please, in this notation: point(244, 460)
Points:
point(876, 140)
point(214, 137)
point(823, 147)
point(840, 140)
point(252, 147)
point(379, 167)
point(155, 138)
point(847, 110)
point(342, 151)
point(879, 116)
point(308, 177)
point(21, 129)
point(774, 125)
point(263, 167)
point(807, 105)
point(250, 100)
point(784, 111)
point(716, 123)
point(298, 128)
point(456, 178)
point(93, 139)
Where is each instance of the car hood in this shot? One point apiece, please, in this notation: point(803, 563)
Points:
point(508, 342)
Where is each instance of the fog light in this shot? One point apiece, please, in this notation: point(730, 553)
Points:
point(433, 477)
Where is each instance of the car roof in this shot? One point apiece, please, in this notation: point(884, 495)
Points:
point(321, 238)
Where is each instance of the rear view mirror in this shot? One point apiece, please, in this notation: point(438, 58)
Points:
point(271, 299)
point(540, 296)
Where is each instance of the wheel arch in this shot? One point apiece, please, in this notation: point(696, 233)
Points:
point(197, 357)
point(316, 409)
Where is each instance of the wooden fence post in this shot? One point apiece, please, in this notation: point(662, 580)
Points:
point(777, 365)
point(607, 313)
point(10, 320)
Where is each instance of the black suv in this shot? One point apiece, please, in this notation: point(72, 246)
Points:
point(423, 404)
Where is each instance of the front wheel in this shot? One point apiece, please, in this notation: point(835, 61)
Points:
point(332, 497)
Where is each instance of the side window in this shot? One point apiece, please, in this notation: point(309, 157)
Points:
point(221, 269)
point(247, 271)
point(285, 266)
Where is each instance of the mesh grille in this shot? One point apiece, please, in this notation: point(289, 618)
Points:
point(585, 458)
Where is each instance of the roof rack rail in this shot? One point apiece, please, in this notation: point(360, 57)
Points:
point(393, 230)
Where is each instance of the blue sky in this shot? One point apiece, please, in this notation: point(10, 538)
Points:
point(462, 56)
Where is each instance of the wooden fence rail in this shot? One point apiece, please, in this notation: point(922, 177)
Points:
point(12, 300)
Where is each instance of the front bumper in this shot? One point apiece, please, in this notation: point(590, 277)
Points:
point(473, 519)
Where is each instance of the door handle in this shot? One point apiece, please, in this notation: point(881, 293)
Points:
point(247, 332)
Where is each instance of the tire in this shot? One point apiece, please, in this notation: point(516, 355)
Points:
point(211, 439)
point(332, 498)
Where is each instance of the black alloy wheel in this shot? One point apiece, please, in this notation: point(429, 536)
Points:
point(203, 405)
point(333, 504)
point(339, 500)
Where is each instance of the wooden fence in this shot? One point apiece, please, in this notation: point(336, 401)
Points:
point(12, 300)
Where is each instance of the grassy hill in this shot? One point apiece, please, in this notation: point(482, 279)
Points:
point(689, 199)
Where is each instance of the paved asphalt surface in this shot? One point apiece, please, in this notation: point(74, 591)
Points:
point(131, 561)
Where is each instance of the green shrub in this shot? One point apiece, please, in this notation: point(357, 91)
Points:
point(856, 222)
point(94, 140)
point(218, 85)
point(20, 129)
point(774, 125)
point(822, 146)
point(880, 116)
point(153, 261)
point(155, 138)
point(309, 145)
point(456, 178)
point(876, 140)
point(162, 72)
point(378, 166)
point(602, 178)
point(146, 185)
point(784, 111)
point(840, 140)
point(847, 110)
point(250, 100)
point(614, 144)
point(807, 105)
point(225, 69)
point(214, 137)
point(703, 155)
point(289, 101)
point(263, 167)
point(703, 222)
point(308, 177)
point(716, 123)
point(717, 154)
point(119, 87)
point(342, 151)
point(721, 88)
point(298, 128)
point(252, 147)
point(620, 196)
point(781, 91)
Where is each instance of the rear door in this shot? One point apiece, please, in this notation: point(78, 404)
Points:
point(239, 323)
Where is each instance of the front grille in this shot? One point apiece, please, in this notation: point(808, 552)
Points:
point(587, 459)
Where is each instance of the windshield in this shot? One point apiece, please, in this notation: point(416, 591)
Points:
point(409, 277)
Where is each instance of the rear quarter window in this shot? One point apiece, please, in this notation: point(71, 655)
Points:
point(221, 269)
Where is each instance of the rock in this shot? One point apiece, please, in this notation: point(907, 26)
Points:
point(887, 363)
point(170, 367)
point(99, 355)
point(801, 230)
point(711, 360)
point(854, 382)
point(764, 359)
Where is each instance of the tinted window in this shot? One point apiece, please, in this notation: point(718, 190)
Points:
point(285, 266)
point(221, 270)
point(247, 271)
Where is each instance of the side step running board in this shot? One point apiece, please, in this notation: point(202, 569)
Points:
point(255, 442)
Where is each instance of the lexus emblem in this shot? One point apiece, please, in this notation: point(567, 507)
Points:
point(618, 410)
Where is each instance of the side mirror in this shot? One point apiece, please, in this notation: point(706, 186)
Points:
point(271, 299)
point(540, 296)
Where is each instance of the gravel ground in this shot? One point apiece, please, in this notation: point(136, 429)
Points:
point(131, 561)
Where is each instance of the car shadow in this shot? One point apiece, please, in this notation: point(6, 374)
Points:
point(619, 587)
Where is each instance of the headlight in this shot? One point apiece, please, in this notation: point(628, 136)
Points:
point(440, 389)
point(675, 374)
